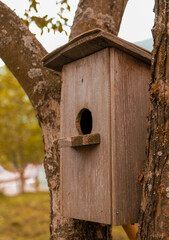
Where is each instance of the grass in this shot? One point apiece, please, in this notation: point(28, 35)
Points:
point(26, 217)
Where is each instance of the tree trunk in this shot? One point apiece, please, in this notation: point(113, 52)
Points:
point(22, 53)
point(22, 186)
point(154, 217)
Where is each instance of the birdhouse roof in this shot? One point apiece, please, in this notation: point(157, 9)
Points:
point(88, 43)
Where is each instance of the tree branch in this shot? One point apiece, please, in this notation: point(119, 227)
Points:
point(22, 53)
point(106, 15)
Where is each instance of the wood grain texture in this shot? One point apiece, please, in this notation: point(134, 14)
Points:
point(130, 104)
point(80, 141)
point(86, 179)
point(89, 43)
point(99, 183)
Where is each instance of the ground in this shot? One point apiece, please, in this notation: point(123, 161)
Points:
point(26, 217)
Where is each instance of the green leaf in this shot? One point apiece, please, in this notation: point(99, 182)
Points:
point(33, 5)
point(63, 1)
point(25, 22)
point(68, 7)
point(60, 28)
point(43, 22)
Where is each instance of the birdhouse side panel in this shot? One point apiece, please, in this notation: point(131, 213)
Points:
point(130, 104)
point(86, 180)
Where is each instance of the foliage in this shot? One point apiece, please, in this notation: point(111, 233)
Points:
point(50, 23)
point(20, 138)
point(24, 217)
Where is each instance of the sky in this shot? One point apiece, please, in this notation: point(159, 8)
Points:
point(136, 24)
point(138, 20)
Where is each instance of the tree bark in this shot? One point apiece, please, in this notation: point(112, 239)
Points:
point(22, 53)
point(154, 217)
point(106, 15)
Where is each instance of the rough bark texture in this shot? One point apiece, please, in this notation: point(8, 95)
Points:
point(22, 53)
point(154, 217)
point(106, 15)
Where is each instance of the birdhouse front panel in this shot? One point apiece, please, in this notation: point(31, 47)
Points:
point(85, 110)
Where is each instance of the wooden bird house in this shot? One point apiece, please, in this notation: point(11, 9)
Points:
point(104, 105)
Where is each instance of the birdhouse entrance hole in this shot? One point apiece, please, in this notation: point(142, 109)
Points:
point(84, 121)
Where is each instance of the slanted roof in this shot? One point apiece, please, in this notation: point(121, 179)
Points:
point(88, 43)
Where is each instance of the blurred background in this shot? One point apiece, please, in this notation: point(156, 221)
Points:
point(24, 196)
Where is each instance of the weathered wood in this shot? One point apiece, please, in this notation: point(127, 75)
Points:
point(129, 109)
point(86, 180)
point(80, 141)
point(88, 43)
point(99, 182)
point(107, 83)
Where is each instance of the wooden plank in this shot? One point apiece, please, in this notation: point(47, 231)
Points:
point(89, 43)
point(80, 141)
point(130, 104)
point(85, 171)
